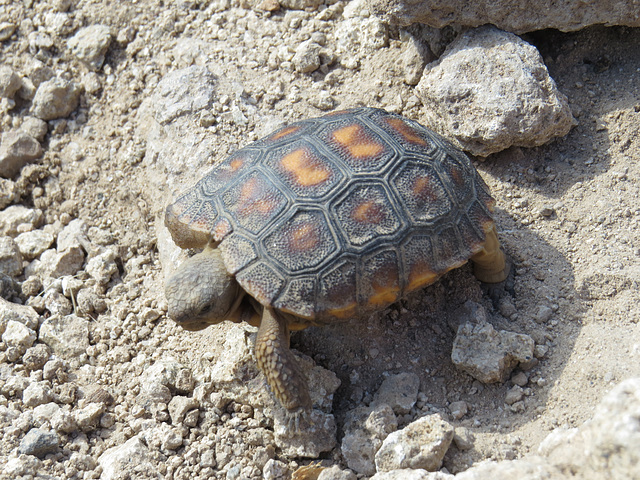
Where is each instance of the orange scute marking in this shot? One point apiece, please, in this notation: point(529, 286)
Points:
point(423, 189)
point(355, 140)
point(307, 170)
point(421, 276)
point(384, 295)
point(221, 229)
point(304, 237)
point(254, 199)
point(408, 133)
point(235, 164)
point(284, 132)
point(385, 286)
point(369, 212)
point(347, 311)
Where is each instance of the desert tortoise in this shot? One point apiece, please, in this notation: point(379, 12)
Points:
point(325, 220)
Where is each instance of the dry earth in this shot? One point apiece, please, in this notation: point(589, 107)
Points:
point(568, 211)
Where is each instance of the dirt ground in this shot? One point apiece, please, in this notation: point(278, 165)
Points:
point(567, 212)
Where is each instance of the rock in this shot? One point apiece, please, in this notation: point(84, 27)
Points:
point(162, 436)
point(530, 468)
point(309, 5)
point(38, 443)
point(55, 98)
point(87, 418)
point(307, 57)
point(410, 474)
point(18, 217)
point(171, 374)
point(544, 314)
point(37, 393)
point(6, 30)
point(7, 416)
point(126, 460)
point(179, 406)
point(182, 92)
point(359, 34)
point(39, 40)
point(44, 413)
point(463, 439)
point(415, 56)
point(489, 355)
point(514, 395)
point(18, 335)
point(17, 148)
point(458, 409)
point(35, 357)
point(32, 244)
point(32, 286)
point(399, 391)
point(56, 303)
point(102, 267)
point(420, 445)
point(8, 192)
point(318, 435)
point(55, 264)
point(469, 312)
point(13, 385)
point(64, 422)
point(335, 473)
point(74, 235)
point(95, 394)
point(67, 336)
point(490, 90)
point(90, 44)
point(35, 127)
point(518, 17)
point(608, 445)
point(19, 313)
point(520, 378)
point(275, 470)
point(364, 430)
point(10, 257)
point(10, 82)
point(23, 465)
point(8, 287)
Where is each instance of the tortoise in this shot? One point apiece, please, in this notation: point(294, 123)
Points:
point(326, 220)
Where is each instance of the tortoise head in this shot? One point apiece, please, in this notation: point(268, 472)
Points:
point(201, 292)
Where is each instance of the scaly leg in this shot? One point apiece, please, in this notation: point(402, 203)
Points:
point(280, 366)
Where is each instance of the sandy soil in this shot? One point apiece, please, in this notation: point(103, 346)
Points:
point(568, 212)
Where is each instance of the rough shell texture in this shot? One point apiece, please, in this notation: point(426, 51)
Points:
point(335, 216)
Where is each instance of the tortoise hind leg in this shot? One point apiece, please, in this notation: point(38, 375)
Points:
point(280, 366)
point(490, 265)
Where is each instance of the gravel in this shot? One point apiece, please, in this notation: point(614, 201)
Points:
point(131, 102)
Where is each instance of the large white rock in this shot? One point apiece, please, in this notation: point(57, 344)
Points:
point(518, 17)
point(420, 445)
point(490, 90)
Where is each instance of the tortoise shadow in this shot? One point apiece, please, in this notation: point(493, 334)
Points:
point(593, 69)
point(416, 335)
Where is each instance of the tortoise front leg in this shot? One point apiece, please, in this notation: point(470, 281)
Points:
point(279, 365)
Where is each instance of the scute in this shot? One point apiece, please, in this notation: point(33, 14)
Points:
point(335, 216)
point(357, 145)
point(253, 202)
point(304, 169)
point(303, 241)
point(366, 213)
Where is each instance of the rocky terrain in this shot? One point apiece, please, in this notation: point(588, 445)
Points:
point(107, 112)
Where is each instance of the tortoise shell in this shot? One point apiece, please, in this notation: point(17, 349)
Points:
point(336, 216)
